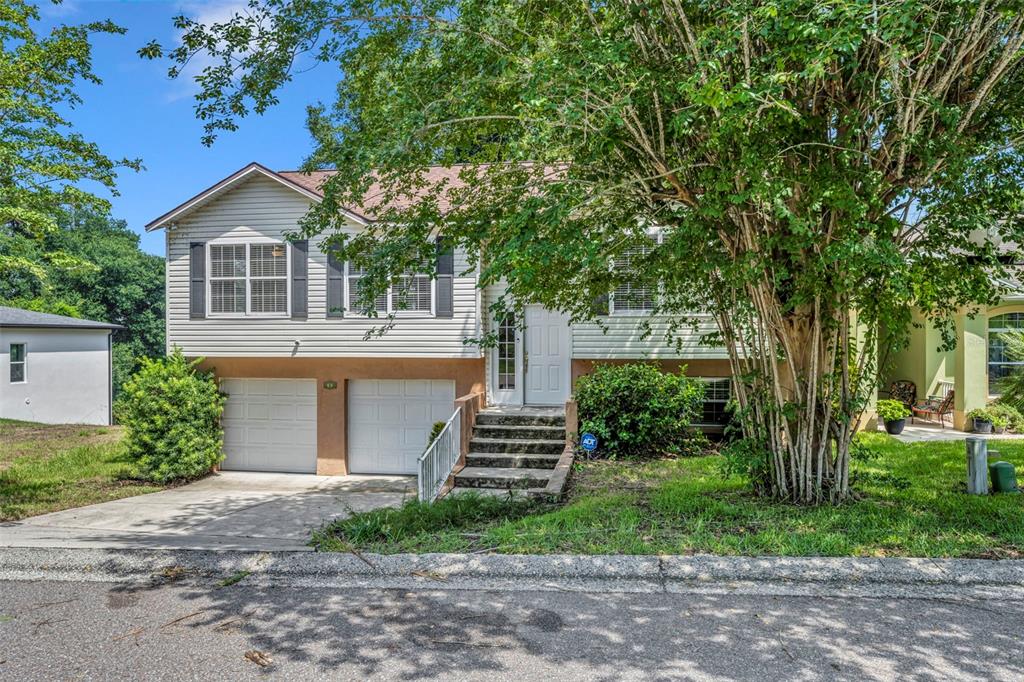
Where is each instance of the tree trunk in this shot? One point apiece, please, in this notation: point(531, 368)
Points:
point(800, 382)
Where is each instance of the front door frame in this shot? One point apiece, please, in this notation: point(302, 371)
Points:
point(507, 396)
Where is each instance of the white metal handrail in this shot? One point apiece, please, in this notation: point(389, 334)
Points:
point(440, 458)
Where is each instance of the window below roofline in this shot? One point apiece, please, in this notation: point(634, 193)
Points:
point(657, 237)
point(247, 278)
point(422, 280)
point(18, 369)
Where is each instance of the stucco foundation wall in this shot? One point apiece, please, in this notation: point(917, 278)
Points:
point(331, 417)
point(67, 372)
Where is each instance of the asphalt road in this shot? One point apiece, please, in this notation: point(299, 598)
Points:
point(178, 629)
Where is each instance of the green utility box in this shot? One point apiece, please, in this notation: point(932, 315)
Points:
point(1004, 477)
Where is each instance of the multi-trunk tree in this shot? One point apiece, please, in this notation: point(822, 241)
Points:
point(816, 168)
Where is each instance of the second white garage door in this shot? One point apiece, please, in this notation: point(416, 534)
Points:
point(389, 422)
point(270, 425)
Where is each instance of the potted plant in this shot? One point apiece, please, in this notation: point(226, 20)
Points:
point(981, 420)
point(894, 413)
point(999, 423)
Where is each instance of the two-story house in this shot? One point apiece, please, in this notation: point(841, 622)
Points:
point(310, 391)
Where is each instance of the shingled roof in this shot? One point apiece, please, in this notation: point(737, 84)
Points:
point(17, 317)
point(311, 184)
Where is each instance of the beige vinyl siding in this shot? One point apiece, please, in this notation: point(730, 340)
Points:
point(262, 208)
point(624, 340)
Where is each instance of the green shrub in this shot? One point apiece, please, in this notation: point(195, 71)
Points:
point(435, 431)
point(636, 410)
point(892, 410)
point(171, 413)
point(981, 414)
point(1008, 416)
point(747, 458)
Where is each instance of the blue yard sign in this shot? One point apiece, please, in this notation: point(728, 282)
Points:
point(588, 442)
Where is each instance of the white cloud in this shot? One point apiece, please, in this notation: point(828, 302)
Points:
point(205, 12)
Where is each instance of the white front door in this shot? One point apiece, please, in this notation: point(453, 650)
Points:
point(270, 425)
point(547, 356)
point(389, 422)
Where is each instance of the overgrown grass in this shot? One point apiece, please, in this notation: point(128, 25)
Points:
point(46, 468)
point(684, 506)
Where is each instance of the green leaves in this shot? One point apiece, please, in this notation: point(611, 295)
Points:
point(172, 414)
point(810, 164)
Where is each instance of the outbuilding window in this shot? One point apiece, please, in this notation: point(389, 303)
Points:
point(18, 362)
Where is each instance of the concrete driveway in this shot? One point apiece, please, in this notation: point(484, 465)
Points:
point(229, 510)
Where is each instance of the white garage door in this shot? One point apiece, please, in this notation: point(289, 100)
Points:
point(270, 425)
point(389, 422)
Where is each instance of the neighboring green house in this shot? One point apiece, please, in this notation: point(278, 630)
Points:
point(972, 368)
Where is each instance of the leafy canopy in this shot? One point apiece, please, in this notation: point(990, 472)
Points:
point(814, 166)
point(43, 161)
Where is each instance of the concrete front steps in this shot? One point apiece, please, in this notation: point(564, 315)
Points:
point(512, 451)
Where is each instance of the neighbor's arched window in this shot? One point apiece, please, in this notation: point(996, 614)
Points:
point(999, 363)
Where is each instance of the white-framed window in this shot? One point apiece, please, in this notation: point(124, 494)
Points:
point(19, 363)
point(631, 298)
point(1000, 363)
point(506, 353)
point(248, 279)
point(412, 294)
point(717, 392)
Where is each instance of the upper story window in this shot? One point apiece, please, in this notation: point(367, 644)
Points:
point(632, 298)
point(249, 279)
point(1000, 364)
point(412, 293)
point(18, 362)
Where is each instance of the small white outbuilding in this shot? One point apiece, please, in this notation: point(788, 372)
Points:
point(54, 369)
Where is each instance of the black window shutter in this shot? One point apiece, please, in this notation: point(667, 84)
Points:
point(600, 305)
point(335, 286)
point(444, 305)
point(197, 280)
point(300, 279)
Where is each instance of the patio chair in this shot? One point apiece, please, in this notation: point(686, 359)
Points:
point(904, 391)
point(939, 407)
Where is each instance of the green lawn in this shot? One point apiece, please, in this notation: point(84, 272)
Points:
point(683, 506)
point(45, 468)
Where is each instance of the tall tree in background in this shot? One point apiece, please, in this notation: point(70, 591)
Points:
point(59, 250)
point(114, 281)
point(43, 161)
point(816, 165)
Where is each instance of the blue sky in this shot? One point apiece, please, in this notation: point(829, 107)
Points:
point(139, 112)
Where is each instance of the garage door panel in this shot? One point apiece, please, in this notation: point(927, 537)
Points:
point(390, 420)
point(270, 425)
point(417, 412)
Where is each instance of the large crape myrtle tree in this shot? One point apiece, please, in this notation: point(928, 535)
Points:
point(817, 168)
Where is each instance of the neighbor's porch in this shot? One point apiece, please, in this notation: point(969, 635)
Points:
point(971, 369)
